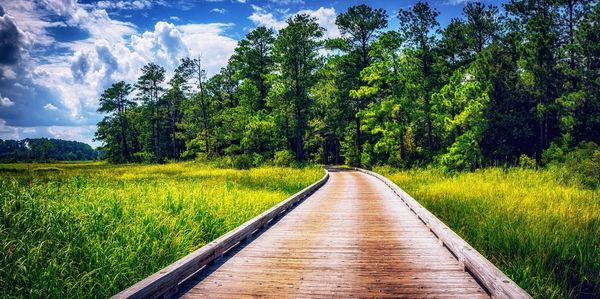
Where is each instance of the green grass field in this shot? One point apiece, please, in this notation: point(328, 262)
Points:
point(92, 229)
point(540, 229)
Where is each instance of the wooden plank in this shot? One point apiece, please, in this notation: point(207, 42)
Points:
point(164, 281)
point(494, 280)
point(351, 238)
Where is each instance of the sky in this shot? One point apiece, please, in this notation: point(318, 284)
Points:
point(57, 56)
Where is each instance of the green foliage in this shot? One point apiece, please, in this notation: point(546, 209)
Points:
point(583, 164)
point(527, 162)
point(243, 161)
point(485, 90)
point(45, 149)
point(283, 158)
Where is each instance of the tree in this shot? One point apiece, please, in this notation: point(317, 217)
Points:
point(481, 25)
point(540, 66)
point(115, 100)
point(454, 44)
point(150, 91)
point(297, 59)
point(359, 25)
point(419, 26)
point(254, 60)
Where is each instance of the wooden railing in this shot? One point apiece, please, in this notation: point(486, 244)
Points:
point(496, 282)
point(165, 282)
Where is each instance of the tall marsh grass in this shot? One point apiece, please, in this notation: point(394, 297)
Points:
point(92, 229)
point(540, 229)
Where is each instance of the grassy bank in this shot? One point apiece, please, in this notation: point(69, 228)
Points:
point(540, 229)
point(92, 229)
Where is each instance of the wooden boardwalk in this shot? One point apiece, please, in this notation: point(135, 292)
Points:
point(353, 237)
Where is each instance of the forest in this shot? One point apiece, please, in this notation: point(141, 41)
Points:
point(496, 87)
point(45, 150)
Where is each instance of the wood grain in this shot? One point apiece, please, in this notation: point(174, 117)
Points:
point(495, 282)
point(354, 237)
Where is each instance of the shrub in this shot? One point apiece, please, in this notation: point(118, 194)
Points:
point(145, 157)
point(553, 154)
point(283, 158)
point(258, 159)
point(527, 162)
point(583, 164)
point(243, 161)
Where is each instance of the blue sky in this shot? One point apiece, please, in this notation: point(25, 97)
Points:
point(57, 56)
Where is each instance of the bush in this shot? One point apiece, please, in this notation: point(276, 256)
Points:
point(258, 159)
point(462, 155)
point(553, 154)
point(527, 162)
point(583, 164)
point(284, 158)
point(145, 157)
point(243, 161)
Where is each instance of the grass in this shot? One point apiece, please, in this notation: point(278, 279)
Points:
point(541, 230)
point(93, 229)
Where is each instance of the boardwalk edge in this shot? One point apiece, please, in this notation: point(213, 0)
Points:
point(165, 282)
point(492, 279)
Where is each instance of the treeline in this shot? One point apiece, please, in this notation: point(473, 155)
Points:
point(45, 149)
point(489, 89)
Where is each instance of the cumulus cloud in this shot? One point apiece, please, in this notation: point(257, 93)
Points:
point(325, 18)
point(5, 102)
point(8, 132)
point(11, 40)
point(56, 84)
point(50, 107)
point(125, 5)
point(261, 17)
point(76, 133)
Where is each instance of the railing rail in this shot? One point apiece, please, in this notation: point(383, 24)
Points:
point(165, 282)
point(494, 280)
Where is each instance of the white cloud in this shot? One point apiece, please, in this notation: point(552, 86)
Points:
point(5, 102)
point(50, 107)
point(287, 2)
point(261, 17)
point(75, 76)
point(325, 18)
point(219, 10)
point(8, 132)
point(76, 133)
point(457, 2)
point(175, 18)
point(125, 5)
point(241, 1)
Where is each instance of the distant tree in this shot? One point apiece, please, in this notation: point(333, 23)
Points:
point(115, 100)
point(44, 150)
point(150, 91)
